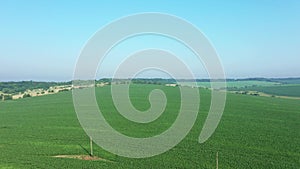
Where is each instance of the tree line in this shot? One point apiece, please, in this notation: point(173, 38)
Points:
point(21, 87)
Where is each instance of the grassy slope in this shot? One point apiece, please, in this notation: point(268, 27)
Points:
point(239, 84)
point(281, 90)
point(255, 132)
point(288, 81)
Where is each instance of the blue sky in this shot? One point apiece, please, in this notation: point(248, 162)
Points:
point(41, 40)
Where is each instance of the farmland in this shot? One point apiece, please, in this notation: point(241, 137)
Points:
point(255, 132)
point(239, 83)
point(279, 90)
point(289, 87)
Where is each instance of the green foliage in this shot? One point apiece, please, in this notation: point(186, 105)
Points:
point(287, 80)
point(275, 87)
point(64, 90)
point(26, 95)
point(255, 132)
point(279, 90)
point(51, 91)
point(16, 87)
point(7, 97)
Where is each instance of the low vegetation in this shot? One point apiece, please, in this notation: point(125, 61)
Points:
point(21, 87)
point(279, 90)
point(255, 132)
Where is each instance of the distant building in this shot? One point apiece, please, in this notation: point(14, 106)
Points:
point(171, 85)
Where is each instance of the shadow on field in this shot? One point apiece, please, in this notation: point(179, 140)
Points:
point(85, 149)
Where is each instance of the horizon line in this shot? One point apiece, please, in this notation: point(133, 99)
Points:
point(153, 78)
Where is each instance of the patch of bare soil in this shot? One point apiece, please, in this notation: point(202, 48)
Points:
point(82, 157)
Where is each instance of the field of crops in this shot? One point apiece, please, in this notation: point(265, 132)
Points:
point(280, 90)
point(288, 80)
point(236, 84)
point(255, 132)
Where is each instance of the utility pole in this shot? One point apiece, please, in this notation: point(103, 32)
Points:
point(91, 145)
point(217, 161)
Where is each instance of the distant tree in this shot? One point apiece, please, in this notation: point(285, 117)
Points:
point(63, 90)
point(244, 92)
point(26, 95)
point(6, 90)
point(7, 97)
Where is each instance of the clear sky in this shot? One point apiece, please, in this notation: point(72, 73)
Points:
point(41, 40)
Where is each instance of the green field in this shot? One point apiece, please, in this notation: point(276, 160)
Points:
point(280, 90)
point(287, 80)
point(255, 132)
point(236, 84)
